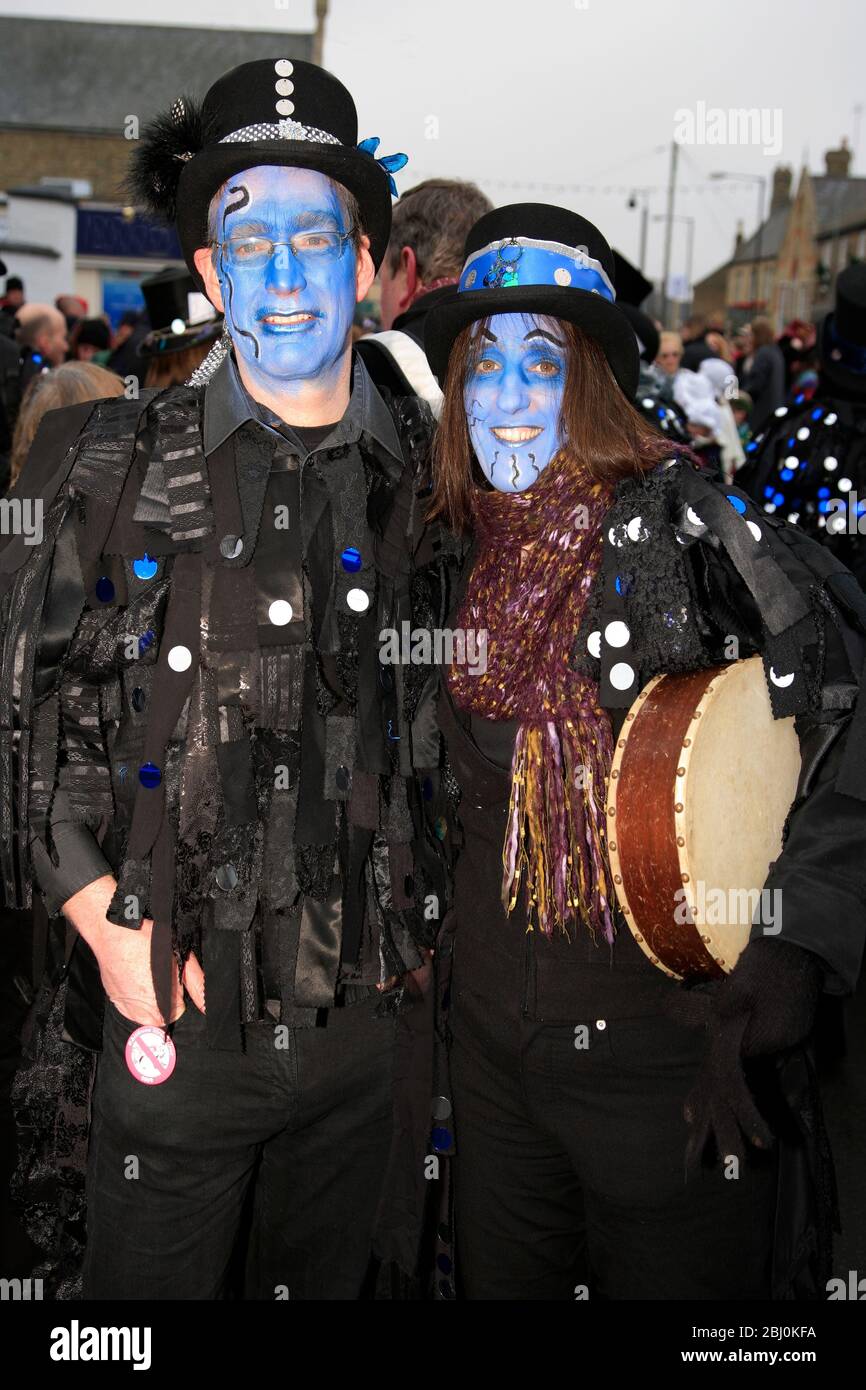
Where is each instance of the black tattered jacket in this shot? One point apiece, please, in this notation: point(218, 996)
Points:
point(192, 698)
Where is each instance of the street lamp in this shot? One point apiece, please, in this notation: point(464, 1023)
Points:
point(690, 245)
point(761, 181)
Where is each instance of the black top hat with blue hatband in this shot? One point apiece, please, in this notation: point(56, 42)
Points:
point(534, 258)
point(279, 111)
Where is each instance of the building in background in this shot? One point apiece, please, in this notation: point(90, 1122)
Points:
point(788, 268)
point(72, 99)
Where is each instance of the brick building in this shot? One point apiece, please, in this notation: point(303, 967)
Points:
point(72, 99)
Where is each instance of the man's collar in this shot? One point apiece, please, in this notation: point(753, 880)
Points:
point(227, 405)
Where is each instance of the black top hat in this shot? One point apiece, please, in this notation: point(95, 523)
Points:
point(278, 111)
point(842, 340)
point(538, 259)
point(632, 286)
point(175, 327)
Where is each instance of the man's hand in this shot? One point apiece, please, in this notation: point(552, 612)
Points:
point(416, 981)
point(123, 955)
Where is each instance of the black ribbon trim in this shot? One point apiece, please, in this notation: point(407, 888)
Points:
point(779, 602)
point(169, 693)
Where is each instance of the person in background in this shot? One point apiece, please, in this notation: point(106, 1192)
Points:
point(719, 346)
point(723, 382)
point(68, 384)
point(670, 353)
point(42, 339)
point(13, 299)
point(420, 267)
point(694, 335)
point(73, 308)
point(741, 409)
point(91, 341)
point(185, 328)
point(763, 374)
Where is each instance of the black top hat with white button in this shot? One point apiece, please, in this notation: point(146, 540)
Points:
point(535, 258)
point(280, 111)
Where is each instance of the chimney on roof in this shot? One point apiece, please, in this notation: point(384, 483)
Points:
point(838, 161)
point(783, 177)
point(738, 241)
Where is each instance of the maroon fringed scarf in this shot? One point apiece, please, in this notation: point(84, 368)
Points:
point(530, 601)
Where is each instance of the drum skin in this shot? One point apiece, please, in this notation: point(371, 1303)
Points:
point(700, 785)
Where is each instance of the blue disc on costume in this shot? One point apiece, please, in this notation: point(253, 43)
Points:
point(441, 1138)
point(427, 789)
point(816, 414)
point(145, 567)
point(823, 492)
point(778, 498)
point(736, 502)
point(625, 584)
point(351, 559)
point(149, 775)
point(104, 589)
point(146, 640)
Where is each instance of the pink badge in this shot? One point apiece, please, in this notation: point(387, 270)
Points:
point(150, 1055)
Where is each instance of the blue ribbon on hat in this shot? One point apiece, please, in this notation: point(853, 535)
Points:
point(523, 261)
point(389, 162)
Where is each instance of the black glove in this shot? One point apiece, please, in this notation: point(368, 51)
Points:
point(766, 1005)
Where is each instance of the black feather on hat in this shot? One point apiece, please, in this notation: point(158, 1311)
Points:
point(167, 143)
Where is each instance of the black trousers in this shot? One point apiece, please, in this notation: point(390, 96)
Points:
point(303, 1130)
point(569, 1178)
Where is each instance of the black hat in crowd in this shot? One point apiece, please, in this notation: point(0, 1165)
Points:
point(842, 337)
point(179, 314)
point(632, 288)
point(537, 259)
point(279, 111)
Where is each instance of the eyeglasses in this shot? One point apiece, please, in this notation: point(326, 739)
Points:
point(255, 252)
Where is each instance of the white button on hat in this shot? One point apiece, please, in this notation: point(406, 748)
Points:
point(357, 600)
point(283, 67)
point(285, 107)
point(280, 612)
point(180, 658)
point(284, 86)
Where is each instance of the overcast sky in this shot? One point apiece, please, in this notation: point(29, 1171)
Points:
point(582, 93)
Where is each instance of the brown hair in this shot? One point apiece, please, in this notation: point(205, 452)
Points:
point(434, 218)
point(173, 368)
point(762, 332)
point(600, 426)
point(69, 384)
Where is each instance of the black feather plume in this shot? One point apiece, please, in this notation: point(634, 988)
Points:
point(165, 145)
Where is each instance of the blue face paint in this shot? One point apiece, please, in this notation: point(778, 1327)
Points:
point(513, 398)
point(289, 319)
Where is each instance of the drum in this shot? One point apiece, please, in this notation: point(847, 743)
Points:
point(700, 785)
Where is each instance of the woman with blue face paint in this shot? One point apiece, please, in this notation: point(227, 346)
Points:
point(580, 1082)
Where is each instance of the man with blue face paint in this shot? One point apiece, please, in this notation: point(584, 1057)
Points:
point(230, 818)
point(513, 398)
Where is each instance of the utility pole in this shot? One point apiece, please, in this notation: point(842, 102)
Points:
point(669, 227)
point(644, 219)
point(319, 35)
